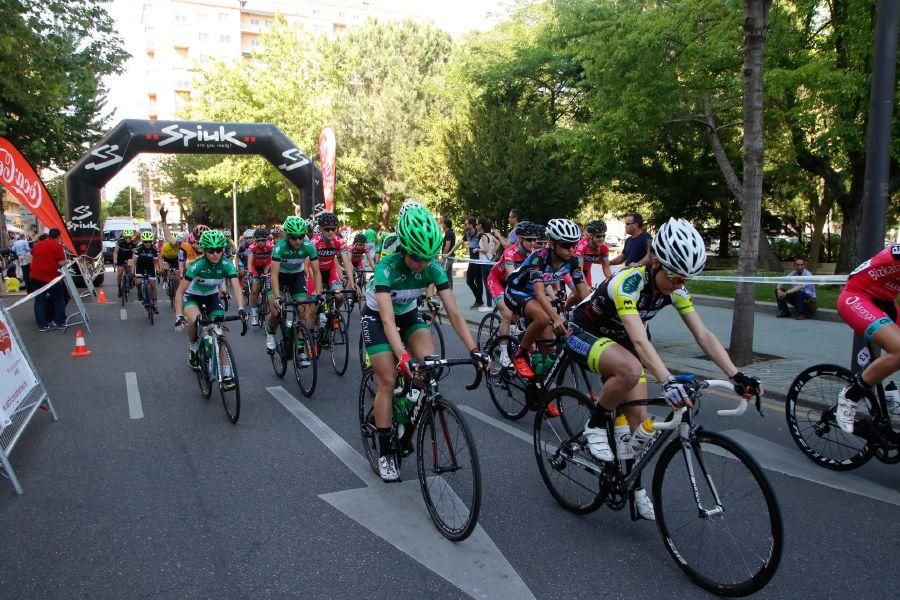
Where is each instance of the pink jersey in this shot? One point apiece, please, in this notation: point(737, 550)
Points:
point(358, 255)
point(261, 254)
point(328, 250)
point(512, 257)
point(588, 256)
point(867, 302)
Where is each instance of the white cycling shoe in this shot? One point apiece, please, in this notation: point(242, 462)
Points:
point(387, 469)
point(598, 443)
point(270, 342)
point(845, 415)
point(644, 505)
point(254, 320)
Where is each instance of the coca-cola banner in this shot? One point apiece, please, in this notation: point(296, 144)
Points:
point(326, 159)
point(20, 180)
point(133, 136)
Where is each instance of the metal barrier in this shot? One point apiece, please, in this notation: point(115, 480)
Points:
point(22, 392)
point(66, 275)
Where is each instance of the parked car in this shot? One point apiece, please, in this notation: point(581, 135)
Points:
point(613, 241)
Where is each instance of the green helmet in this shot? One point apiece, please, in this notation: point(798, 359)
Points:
point(295, 226)
point(419, 233)
point(212, 238)
point(128, 233)
point(147, 236)
point(370, 235)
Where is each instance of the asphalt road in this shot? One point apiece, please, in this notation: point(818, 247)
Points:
point(179, 503)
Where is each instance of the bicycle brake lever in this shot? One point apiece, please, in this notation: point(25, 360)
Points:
point(474, 385)
point(758, 405)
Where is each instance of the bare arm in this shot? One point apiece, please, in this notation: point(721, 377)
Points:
point(709, 343)
point(636, 331)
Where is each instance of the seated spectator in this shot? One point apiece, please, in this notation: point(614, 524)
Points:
point(802, 296)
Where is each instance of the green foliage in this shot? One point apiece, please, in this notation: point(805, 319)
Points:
point(53, 56)
point(122, 206)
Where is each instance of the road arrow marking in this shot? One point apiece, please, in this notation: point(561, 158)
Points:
point(397, 514)
point(793, 463)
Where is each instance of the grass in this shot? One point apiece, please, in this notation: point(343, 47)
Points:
point(825, 294)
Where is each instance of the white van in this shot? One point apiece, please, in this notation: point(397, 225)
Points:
point(113, 228)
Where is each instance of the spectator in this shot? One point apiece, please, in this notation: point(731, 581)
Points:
point(487, 249)
point(47, 257)
point(802, 297)
point(637, 246)
point(23, 251)
point(515, 216)
point(447, 249)
point(472, 240)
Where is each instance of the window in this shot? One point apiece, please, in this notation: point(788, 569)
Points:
point(182, 53)
point(254, 21)
point(269, 22)
point(223, 17)
point(202, 36)
point(316, 11)
point(181, 19)
point(255, 43)
point(225, 39)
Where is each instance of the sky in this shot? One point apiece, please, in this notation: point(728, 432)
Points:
point(457, 16)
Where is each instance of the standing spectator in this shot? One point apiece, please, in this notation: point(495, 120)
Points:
point(472, 240)
point(23, 251)
point(447, 249)
point(637, 246)
point(47, 257)
point(487, 248)
point(802, 297)
point(515, 217)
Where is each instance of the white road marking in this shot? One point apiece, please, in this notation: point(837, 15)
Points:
point(397, 514)
point(123, 314)
point(135, 410)
point(497, 423)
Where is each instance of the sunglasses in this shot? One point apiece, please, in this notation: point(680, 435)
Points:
point(419, 259)
point(529, 239)
point(565, 245)
point(329, 229)
point(680, 279)
point(214, 250)
point(295, 238)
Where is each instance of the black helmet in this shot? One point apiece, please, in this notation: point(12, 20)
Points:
point(359, 238)
point(327, 219)
point(596, 228)
point(261, 233)
point(529, 229)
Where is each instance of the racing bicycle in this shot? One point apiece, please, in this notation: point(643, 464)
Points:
point(294, 342)
point(217, 362)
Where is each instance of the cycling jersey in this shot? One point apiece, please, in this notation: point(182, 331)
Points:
point(628, 292)
point(538, 267)
point(126, 250)
point(291, 260)
point(205, 277)
point(512, 258)
point(867, 302)
point(169, 251)
point(393, 276)
point(261, 254)
point(188, 253)
point(588, 256)
point(328, 250)
point(145, 263)
point(391, 245)
point(358, 253)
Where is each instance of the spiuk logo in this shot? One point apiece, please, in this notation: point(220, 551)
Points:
point(106, 154)
point(176, 133)
point(295, 159)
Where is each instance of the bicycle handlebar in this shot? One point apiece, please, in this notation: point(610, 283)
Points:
point(223, 319)
point(697, 385)
point(450, 362)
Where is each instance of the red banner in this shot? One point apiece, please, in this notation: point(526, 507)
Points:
point(20, 180)
point(326, 159)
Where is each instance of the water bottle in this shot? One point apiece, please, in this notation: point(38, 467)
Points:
point(641, 437)
point(537, 364)
point(622, 433)
point(892, 398)
point(549, 360)
point(401, 411)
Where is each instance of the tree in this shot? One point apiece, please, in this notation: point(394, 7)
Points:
point(127, 203)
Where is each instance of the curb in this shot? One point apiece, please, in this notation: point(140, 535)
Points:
point(769, 308)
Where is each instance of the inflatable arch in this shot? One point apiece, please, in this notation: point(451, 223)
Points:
point(131, 137)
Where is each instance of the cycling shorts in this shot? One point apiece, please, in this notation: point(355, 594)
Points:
point(330, 280)
point(494, 286)
point(864, 314)
point(293, 284)
point(587, 348)
point(148, 272)
point(210, 305)
point(373, 333)
point(123, 262)
point(172, 262)
point(257, 271)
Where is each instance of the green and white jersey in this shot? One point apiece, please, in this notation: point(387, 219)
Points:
point(206, 277)
point(393, 276)
point(292, 261)
point(391, 245)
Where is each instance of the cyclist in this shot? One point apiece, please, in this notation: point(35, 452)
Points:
point(868, 305)
point(259, 259)
point(143, 264)
point(527, 234)
point(392, 327)
point(371, 238)
point(330, 246)
point(288, 276)
point(609, 337)
point(168, 259)
point(527, 288)
point(359, 252)
point(593, 249)
point(200, 289)
point(122, 254)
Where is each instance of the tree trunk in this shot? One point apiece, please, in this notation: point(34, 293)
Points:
point(742, 324)
point(767, 259)
point(820, 216)
point(384, 217)
point(724, 241)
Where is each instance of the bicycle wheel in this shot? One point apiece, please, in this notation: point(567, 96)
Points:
point(303, 351)
point(225, 300)
point(448, 471)
point(810, 405)
point(367, 388)
point(731, 543)
point(363, 355)
point(281, 354)
point(488, 329)
point(123, 290)
point(148, 301)
point(203, 376)
point(229, 387)
point(571, 474)
point(336, 339)
point(574, 375)
point(507, 390)
point(170, 290)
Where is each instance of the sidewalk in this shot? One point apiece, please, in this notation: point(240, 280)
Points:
point(795, 345)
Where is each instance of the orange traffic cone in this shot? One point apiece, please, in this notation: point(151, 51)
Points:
point(101, 297)
point(81, 348)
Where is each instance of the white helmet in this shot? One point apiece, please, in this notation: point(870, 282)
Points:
point(679, 248)
point(563, 230)
point(407, 204)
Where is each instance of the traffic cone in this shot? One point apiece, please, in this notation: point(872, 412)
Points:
point(101, 297)
point(81, 348)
